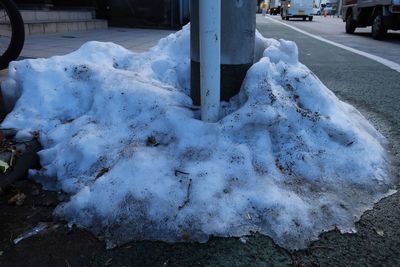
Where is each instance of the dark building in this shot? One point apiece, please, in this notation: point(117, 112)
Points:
point(124, 13)
point(156, 13)
point(49, 4)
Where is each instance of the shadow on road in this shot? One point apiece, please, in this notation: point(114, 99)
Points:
point(390, 37)
point(299, 19)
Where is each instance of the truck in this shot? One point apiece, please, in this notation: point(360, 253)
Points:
point(297, 9)
point(274, 7)
point(382, 15)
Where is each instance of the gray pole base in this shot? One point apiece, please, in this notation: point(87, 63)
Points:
point(232, 77)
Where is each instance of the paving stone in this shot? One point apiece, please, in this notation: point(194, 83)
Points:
point(42, 15)
point(36, 28)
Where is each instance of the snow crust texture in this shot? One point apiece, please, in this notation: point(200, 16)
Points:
point(287, 159)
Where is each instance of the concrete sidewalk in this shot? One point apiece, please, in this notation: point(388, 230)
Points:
point(48, 45)
point(137, 40)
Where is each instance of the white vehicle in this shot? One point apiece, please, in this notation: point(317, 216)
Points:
point(297, 9)
point(316, 11)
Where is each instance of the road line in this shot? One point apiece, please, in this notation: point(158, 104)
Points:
point(386, 62)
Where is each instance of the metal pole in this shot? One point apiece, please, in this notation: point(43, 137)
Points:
point(237, 46)
point(171, 5)
point(181, 12)
point(210, 58)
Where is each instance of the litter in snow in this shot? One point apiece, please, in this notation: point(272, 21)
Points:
point(40, 228)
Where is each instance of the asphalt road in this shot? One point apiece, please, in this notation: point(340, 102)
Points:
point(333, 29)
point(374, 89)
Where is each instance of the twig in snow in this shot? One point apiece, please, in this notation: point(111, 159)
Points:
point(177, 172)
point(13, 157)
point(101, 173)
point(187, 198)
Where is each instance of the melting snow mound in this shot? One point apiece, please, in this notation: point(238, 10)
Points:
point(287, 159)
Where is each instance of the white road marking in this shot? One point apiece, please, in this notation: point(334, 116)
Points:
point(386, 62)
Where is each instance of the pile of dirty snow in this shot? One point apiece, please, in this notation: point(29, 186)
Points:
point(287, 159)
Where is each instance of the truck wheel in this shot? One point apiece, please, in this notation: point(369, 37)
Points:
point(310, 18)
point(350, 24)
point(378, 29)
